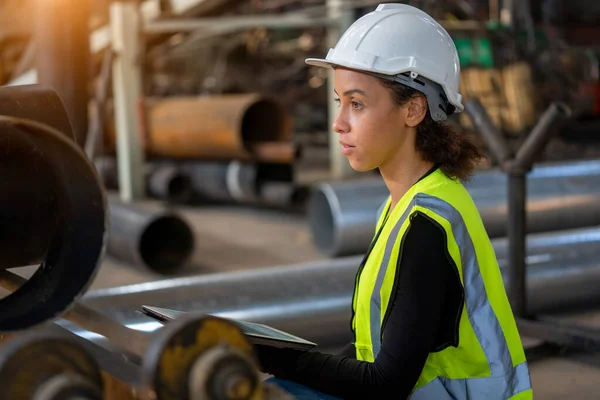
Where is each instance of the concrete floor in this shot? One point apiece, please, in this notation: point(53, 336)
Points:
point(232, 238)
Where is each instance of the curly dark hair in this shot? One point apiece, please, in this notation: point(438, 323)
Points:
point(438, 142)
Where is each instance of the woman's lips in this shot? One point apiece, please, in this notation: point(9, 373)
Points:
point(346, 148)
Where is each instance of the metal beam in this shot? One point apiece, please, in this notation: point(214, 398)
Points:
point(231, 24)
point(127, 93)
point(62, 56)
point(339, 165)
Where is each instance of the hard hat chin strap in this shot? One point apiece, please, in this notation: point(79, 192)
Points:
point(439, 107)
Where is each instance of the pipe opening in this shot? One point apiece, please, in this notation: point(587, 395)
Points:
point(179, 187)
point(263, 121)
point(274, 172)
point(320, 220)
point(563, 109)
point(166, 244)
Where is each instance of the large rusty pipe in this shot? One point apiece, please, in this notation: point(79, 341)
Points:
point(153, 239)
point(62, 56)
point(52, 207)
point(236, 126)
point(342, 215)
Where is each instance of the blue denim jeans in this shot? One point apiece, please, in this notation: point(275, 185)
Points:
point(300, 392)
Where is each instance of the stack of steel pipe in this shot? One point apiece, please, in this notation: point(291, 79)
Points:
point(342, 215)
point(165, 180)
point(243, 183)
point(313, 300)
point(213, 182)
point(226, 148)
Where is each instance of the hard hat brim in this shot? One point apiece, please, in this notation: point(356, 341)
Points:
point(320, 62)
point(324, 63)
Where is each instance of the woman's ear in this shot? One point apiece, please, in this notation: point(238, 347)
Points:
point(416, 109)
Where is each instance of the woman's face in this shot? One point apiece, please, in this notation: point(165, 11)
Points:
point(371, 125)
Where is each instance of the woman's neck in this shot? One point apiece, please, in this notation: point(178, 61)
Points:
point(401, 173)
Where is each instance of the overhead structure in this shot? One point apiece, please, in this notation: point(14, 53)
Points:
point(100, 39)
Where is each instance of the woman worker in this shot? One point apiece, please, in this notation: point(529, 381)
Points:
point(431, 318)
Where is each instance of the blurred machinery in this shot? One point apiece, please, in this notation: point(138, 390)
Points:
point(195, 357)
point(54, 212)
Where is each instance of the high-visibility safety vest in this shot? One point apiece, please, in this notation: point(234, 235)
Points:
point(489, 362)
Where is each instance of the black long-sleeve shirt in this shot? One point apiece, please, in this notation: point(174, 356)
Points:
point(424, 317)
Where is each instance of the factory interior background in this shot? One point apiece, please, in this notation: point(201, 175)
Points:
point(204, 142)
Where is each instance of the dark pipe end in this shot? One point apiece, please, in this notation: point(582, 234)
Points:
point(170, 183)
point(264, 121)
point(166, 244)
point(179, 188)
point(321, 220)
point(563, 109)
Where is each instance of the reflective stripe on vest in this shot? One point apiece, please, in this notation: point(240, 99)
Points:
point(505, 380)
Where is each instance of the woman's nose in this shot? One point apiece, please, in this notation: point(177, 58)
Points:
point(340, 125)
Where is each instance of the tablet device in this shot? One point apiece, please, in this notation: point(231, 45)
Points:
point(256, 333)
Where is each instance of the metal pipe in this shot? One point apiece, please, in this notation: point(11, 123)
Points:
point(224, 182)
point(517, 231)
point(88, 318)
point(157, 240)
point(237, 182)
point(541, 133)
point(342, 215)
point(313, 300)
point(37, 102)
point(165, 180)
point(233, 23)
point(61, 35)
point(235, 126)
point(52, 211)
point(21, 187)
point(168, 182)
point(517, 201)
point(490, 134)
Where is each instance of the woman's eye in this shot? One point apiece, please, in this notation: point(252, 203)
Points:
point(356, 105)
point(337, 101)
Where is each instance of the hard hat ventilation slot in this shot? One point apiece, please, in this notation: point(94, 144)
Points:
point(412, 76)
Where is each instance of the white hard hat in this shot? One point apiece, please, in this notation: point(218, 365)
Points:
point(405, 44)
